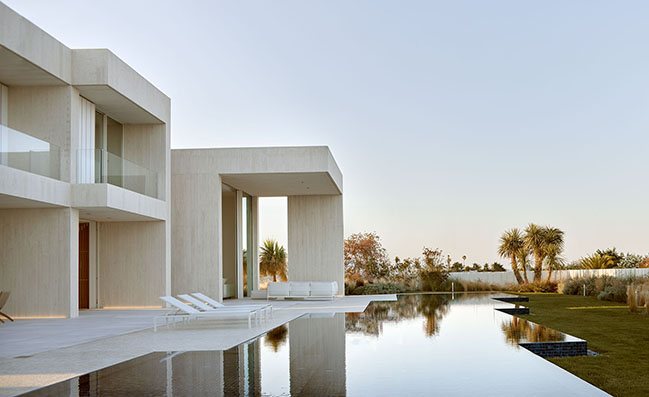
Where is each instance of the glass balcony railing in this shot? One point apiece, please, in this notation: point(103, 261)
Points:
point(101, 166)
point(27, 153)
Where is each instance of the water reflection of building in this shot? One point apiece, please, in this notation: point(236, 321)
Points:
point(317, 351)
point(316, 366)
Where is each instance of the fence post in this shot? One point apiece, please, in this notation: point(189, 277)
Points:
point(584, 289)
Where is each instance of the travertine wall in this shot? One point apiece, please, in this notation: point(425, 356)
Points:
point(196, 230)
point(39, 261)
point(45, 113)
point(145, 145)
point(316, 239)
point(131, 263)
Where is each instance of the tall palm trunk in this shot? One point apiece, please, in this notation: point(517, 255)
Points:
point(549, 273)
point(525, 274)
point(517, 274)
point(538, 266)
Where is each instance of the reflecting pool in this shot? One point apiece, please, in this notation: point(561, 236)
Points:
point(419, 345)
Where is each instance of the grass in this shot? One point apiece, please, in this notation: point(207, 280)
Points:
point(619, 336)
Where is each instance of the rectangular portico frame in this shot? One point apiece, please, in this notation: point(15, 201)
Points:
point(308, 176)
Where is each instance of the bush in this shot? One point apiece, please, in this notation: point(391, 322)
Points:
point(463, 286)
point(541, 286)
point(379, 288)
point(603, 288)
point(638, 295)
point(434, 280)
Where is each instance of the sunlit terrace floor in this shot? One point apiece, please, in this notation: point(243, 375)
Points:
point(35, 353)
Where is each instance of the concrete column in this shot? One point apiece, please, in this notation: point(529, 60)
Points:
point(316, 239)
point(72, 219)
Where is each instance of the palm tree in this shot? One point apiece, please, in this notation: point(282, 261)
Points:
point(272, 260)
point(510, 244)
point(535, 242)
point(595, 261)
point(553, 248)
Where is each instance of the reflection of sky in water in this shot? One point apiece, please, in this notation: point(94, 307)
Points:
point(275, 368)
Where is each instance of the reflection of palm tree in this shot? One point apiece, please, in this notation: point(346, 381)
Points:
point(272, 260)
point(276, 337)
point(520, 330)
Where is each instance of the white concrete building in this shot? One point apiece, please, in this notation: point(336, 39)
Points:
point(86, 199)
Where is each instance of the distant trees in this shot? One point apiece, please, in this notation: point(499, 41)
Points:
point(272, 260)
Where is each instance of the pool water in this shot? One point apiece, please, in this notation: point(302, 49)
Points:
point(427, 344)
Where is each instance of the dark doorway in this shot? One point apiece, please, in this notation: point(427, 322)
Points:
point(84, 265)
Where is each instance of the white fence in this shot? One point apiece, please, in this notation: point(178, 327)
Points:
point(502, 278)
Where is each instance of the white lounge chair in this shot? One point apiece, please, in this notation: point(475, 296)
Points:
point(265, 308)
point(187, 312)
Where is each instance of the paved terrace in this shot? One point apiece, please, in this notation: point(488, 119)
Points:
point(36, 353)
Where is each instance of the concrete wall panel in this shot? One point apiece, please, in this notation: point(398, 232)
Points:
point(39, 261)
point(131, 261)
point(196, 230)
point(45, 113)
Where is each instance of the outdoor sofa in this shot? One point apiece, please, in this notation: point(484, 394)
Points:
point(303, 290)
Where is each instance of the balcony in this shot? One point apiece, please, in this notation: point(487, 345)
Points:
point(25, 152)
point(101, 166)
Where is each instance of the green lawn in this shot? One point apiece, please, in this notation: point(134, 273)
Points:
point(619, 336)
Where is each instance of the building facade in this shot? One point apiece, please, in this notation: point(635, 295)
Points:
point(96, 210)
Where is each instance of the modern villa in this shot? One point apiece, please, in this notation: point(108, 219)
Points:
point(97, 211)
point(131, 268)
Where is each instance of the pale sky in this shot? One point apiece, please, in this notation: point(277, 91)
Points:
point(450, 120)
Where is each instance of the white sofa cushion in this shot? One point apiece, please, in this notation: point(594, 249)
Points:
point(278, 289)
point(300, 288)
point(323, 288)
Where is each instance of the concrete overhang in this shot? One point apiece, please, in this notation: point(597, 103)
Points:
point(22, 189)
point(267, 171)
point(28, 55)
point(108, 203)
point(283, 184)
point(116, 89)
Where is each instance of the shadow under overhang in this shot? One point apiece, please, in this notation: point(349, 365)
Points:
point(283, 183)
point(117, 106)
point(18, 71)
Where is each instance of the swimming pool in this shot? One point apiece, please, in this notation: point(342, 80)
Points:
point(419, 345)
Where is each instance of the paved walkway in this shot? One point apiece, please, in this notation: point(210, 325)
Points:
point(35, 353)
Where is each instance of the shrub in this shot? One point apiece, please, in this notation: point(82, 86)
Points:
point(615, 292)
point(638, 295)
point(463, 285)
point(379, 288)
point(541, 286)
point(604, 288)
point(434, 280)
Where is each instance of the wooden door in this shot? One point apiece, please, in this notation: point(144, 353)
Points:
point(84, 265)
